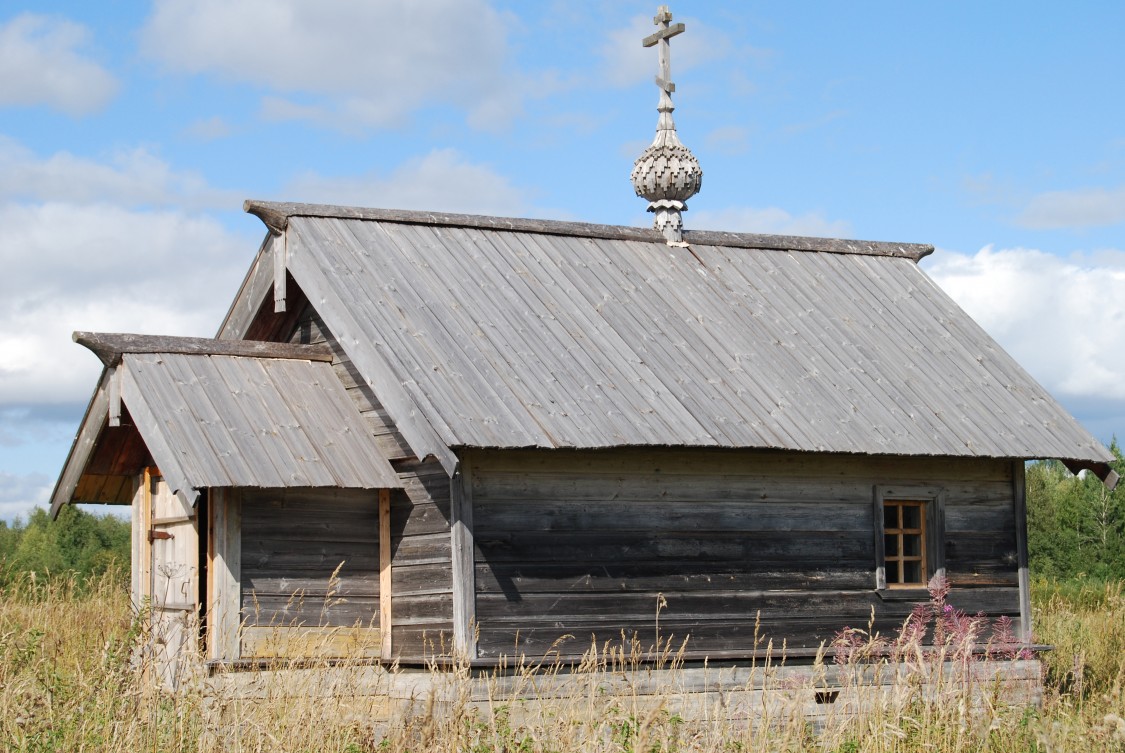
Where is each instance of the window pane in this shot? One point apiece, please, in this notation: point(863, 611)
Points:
point(911, 516)
point(912, 572)
point(912, 545)
point(890, 516)
point(890, 547)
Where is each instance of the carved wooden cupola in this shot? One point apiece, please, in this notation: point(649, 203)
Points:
point(666, 173)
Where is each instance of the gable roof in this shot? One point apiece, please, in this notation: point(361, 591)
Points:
point(216, 414)
point(505, 333)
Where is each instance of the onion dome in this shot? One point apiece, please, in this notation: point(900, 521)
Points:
point(667, 174)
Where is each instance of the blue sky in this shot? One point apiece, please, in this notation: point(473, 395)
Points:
point(130, 133)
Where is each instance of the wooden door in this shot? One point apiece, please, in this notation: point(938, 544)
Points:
point(170, 579)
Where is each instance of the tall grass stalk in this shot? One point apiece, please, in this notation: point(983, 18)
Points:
point(72, 678)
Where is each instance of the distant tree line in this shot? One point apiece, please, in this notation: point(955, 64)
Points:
point(1076, 527)
point(77, 542)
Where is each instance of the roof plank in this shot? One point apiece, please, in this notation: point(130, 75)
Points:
point(518, 334)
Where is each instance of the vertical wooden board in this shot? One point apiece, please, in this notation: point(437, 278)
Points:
point(175, 559)
point(226, 568)
point(146, 543)
point(464, 572)
point(174, 576)
point(385, 582)
point(138, 549)
point(1019, 500)
point(880, 553)
point(939, 533)
point(279, 251)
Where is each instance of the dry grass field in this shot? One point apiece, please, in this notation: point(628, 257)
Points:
point(71, 680)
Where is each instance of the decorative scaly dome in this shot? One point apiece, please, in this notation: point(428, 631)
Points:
point(666, 173)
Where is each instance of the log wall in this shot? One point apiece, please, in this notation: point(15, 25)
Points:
point(422, 601)
point(736, 547)
point(310, 557)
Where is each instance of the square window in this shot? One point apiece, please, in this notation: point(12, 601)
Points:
point(904, 543)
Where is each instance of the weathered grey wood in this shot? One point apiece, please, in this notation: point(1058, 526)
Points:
point(242, 415)
point(89, 430)
point(861, 388)
point(588, 543)
point(422, 562)
point(289, 458)
point(664, 461)
point(279, 251)
point(110, 346)
point(312, 610)
point(248, 301)
point(138, 546)
point(622, 576)
point(310, 329)
point(332, 579)
point(286, 582)
point(114, 397)
point(818, 546)
point(420, 643)
point(663, 34)
point(276, 216)
point(226, 573)
point(662, 512)
point(796, 623)
point(386, 587)
point(171, 465)
point(251, 422)
point(464, 581)
point(349, 332)
point(880, 542)
point(1019, 503)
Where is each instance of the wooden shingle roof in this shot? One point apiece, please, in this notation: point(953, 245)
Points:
point(219, 414)
point(504, 333)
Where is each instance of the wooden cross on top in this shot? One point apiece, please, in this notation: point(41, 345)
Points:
point(663, 19)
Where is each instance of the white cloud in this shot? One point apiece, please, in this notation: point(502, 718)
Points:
point(41, 64)
point(344, 64)
point(94, 246)
point(1063, 319)
point(1089, 207)
point(131, 177)
point(441, 181)
point(101, 267)
point(625, 62)
point(83, 248)
point(21, 492)
point(767, 220)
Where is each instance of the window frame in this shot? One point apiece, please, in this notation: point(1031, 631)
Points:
point(933, 543)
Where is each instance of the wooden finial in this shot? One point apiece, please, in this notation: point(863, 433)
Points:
point(667, 173)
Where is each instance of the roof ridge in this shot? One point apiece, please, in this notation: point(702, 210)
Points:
point(276, 216)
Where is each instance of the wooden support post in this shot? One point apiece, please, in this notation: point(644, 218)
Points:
point(385, 582)
point(146, 524)
point(280, 264)
point(139, 545)
point(1019, 498)
point(464, 572)
point(225, 568)
point(114, 396)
